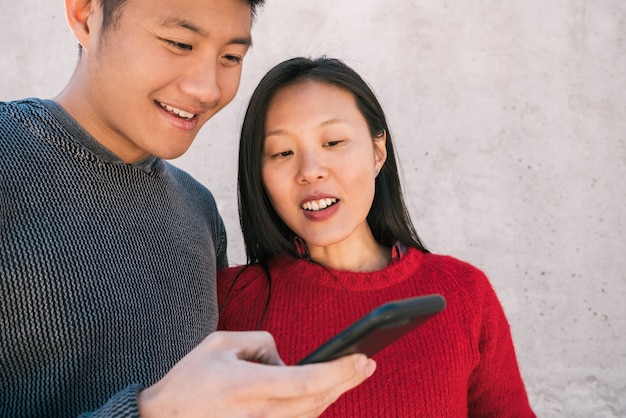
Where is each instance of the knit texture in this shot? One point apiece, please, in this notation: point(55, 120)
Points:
point(107, 269)
point(459, 363)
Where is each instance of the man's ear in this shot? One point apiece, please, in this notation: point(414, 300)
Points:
point(380, 149)
point(79, 15)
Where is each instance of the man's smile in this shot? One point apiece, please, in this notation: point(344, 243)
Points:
point(179, 112)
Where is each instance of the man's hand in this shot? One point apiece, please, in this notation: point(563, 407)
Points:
point(239, 374)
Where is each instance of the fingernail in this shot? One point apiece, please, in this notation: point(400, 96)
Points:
point(370, 368)
point(360, 363)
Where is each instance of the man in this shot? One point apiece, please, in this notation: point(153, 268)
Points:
point(108, 253)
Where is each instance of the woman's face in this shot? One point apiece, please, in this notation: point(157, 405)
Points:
point(319, 164)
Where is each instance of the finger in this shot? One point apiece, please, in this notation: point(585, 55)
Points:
point(335, 376)
point(308, 390)
point(364, 368)
point(258, 346)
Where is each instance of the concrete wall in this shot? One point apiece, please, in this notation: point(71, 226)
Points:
point(510, 122)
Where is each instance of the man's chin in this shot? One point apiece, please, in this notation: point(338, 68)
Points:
point(171, 154)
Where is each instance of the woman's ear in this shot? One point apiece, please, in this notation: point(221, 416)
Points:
point(380, 150)
point(79, 15)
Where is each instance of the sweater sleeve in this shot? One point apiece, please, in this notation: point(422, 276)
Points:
point(122, 405)
point(220, 242)
point(496, 388)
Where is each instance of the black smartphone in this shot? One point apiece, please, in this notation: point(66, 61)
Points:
point(379, 328)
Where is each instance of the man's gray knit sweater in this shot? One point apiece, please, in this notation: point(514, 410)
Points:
point(107, 270)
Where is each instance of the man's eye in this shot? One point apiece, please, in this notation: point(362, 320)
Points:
point(234, 58)
point(180, 45)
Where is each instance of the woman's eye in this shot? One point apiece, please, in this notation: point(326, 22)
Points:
point(282, 154)
point(333, 143)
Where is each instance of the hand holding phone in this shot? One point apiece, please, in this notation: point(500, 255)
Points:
point(379, 328)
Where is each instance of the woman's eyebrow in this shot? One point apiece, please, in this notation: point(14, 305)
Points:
point(322, 124)
point(332, 122)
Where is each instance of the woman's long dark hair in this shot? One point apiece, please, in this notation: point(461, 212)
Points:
point(265, 234)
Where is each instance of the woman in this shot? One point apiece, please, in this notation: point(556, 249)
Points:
point(328, 238)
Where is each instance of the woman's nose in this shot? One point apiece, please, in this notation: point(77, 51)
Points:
point(311, 169)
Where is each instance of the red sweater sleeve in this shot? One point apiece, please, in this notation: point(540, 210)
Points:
point(496, 388)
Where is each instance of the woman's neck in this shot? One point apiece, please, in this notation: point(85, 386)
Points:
point(358, 257)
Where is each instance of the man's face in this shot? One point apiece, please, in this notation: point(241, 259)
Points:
point(149, 82)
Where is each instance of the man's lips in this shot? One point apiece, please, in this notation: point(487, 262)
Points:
point(178, 112)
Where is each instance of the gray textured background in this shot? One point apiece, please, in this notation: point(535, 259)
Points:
point(510, 122)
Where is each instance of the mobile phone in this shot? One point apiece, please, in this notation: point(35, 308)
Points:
point(379, 328)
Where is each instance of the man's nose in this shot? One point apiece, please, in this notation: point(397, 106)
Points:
point(200, 82)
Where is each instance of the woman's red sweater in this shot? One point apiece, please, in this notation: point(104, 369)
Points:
point(459, 363)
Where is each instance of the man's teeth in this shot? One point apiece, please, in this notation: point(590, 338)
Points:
point(181, 113)
point(319, 204)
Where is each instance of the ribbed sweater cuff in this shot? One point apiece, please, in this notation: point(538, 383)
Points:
point(123, 404)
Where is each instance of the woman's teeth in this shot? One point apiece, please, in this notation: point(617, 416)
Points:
point(181, 113)
point(314, 205)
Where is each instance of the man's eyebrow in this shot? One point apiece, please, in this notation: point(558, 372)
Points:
point(186, 24)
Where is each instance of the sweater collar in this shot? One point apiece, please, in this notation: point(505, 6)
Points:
point(397, 250)
point(150, 165)
point(403, 265)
